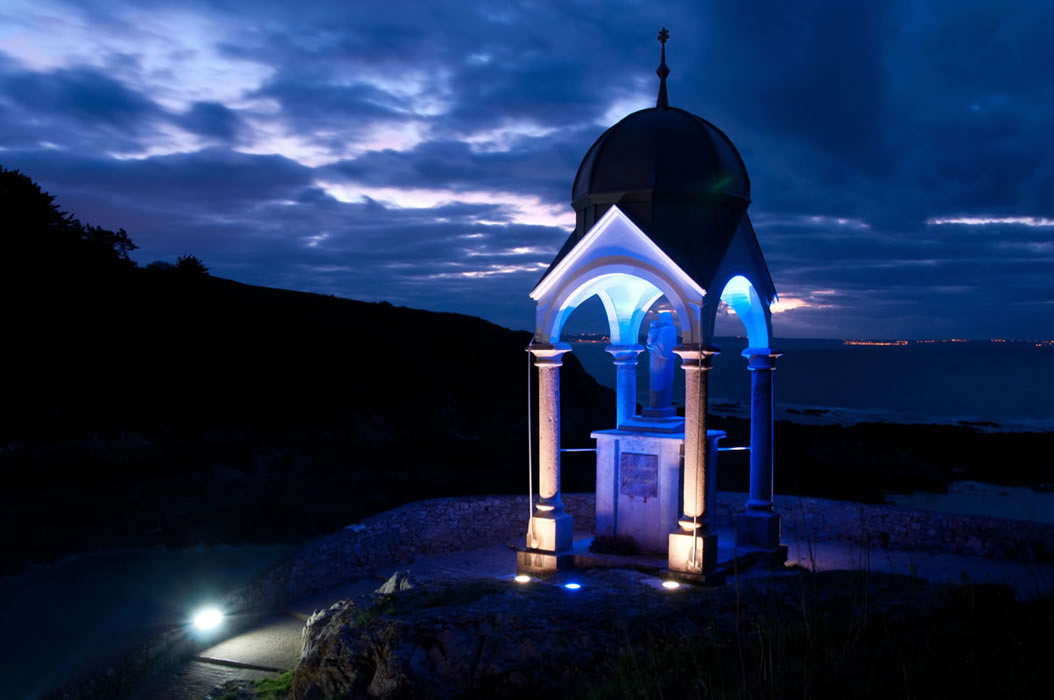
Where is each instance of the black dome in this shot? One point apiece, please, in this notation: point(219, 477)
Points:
point(664, 151)
point(676, 176)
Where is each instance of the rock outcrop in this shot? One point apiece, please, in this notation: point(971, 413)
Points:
point(501, 639)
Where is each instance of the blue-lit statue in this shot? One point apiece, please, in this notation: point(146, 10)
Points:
point(662, 337)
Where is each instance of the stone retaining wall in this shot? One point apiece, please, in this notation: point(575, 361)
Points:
point(893, 527)
point(435, 526)
point(396, 537)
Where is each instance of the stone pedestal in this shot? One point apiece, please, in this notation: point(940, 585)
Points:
point(537, 563)
point(692, 554)
point(639, 482)
point(638, 487)
point(553, 532)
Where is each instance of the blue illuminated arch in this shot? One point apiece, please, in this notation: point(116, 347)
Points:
point(627, 291)
point(752, 311)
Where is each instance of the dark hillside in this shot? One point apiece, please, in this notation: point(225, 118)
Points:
point(155, 405)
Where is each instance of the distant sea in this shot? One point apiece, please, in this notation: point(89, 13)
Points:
point(991, 385)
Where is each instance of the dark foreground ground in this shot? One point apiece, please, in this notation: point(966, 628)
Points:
point(830, 635)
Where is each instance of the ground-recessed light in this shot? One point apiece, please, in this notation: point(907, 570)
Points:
point(208, 618)
point(522, 578)
point(572, 586)
point(670, 584)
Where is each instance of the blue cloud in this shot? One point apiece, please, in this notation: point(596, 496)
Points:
point(882, 114)
point(212, 120)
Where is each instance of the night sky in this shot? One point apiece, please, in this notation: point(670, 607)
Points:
point(900, 152)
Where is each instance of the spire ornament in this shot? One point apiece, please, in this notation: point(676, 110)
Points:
point(663, 102)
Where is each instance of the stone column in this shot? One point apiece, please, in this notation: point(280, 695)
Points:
point(692, 548)
point(625, 380)
point(759, 525)
point(551, 528)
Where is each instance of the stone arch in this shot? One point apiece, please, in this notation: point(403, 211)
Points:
point(627, 289)
point(752, 311)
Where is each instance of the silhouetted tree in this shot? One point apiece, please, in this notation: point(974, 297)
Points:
point(108, 244)
point(190, 265)
point(31, 218)
point(35, 233)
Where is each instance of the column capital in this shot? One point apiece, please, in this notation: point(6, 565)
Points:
point(548, 354)
point(625, 354)
point(762, 358)
point(694, 357)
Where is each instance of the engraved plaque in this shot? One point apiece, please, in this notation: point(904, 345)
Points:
point(638, 475)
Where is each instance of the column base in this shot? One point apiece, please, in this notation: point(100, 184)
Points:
point(681, 558)
point(757, 529)
point(553, 532)
point(532, 561)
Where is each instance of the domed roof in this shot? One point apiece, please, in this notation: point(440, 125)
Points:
point(676, 176)
point(664, 150)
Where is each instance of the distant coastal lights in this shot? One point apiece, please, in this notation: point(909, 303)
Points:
point(934, 341)
point(896, 343)
point(1032, 221)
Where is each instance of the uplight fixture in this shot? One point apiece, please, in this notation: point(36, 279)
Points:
point(522, 578)
point(670, 585)
point(572, 586)
point(208, 618)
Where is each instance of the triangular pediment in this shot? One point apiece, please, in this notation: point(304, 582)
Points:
point(614, 237)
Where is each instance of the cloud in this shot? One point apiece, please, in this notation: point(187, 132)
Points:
point(898, 151)
point(212, 120)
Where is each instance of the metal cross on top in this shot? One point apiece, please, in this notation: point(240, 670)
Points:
point(663, 71)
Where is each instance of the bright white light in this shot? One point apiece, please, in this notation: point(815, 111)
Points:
point(208, 618)
point(670, 584)
point(523, 578)
point(572, 586)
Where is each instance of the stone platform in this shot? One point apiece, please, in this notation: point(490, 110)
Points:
point(731, 560)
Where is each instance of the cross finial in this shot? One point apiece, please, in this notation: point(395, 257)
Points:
point(663, 102)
